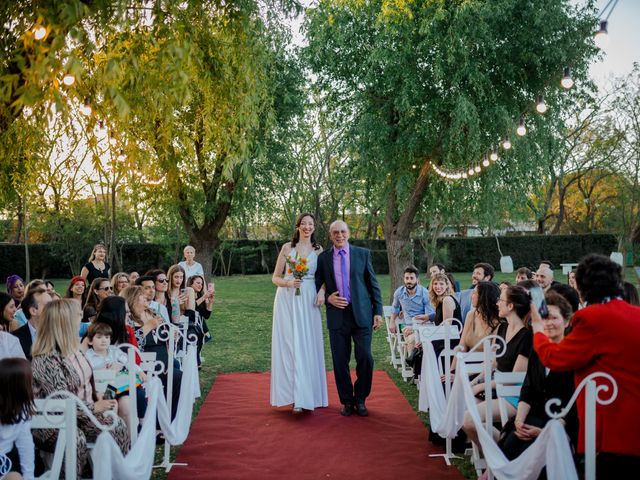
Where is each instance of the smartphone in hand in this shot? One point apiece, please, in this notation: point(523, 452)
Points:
point(109, 393)
point(537, 297)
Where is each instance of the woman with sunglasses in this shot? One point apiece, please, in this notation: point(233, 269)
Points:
point(99, 290)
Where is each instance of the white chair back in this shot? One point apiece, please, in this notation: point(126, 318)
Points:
point(508, 384)
point(59, 414)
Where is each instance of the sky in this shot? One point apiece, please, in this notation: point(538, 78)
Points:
point(624, 42)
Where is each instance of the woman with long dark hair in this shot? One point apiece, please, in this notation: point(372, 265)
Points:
point(77, 290)
point(298, 375)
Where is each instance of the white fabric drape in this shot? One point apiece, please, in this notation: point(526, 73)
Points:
point(176, 432)
point(551, 448)
point(445, 417)
point(108, 460)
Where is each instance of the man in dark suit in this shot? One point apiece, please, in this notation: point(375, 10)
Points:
point(354, 308)
point(32, 305)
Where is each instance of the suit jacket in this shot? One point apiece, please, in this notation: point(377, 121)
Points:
point(366, 300)
point(603, 338)
point(24, 335)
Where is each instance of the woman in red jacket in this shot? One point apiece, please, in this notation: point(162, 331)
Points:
point(605, 337)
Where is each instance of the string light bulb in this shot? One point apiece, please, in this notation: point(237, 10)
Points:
point(39, 32)
point(521, 130)
point(541, 107)
point(477, 169)
point(485, 161)
point(601, 37)
point(68, 79)
point(506, 144)
point(567, 81)
point(464, 175)
point(493, 156)
point(471, 171)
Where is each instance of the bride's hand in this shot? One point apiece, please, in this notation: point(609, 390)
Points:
point(295, 283)
point(320, 298)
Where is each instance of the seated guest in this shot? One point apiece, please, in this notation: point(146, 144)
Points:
point(205, 297)
point(544, 277)
point(504, 285)
point(32, 305)
point(483, 319)
point(9, 344)
point(114, 312)
point(482, 272)
point(35, 284)
point(161, 296)
point(540, 386)
point(443, 299)
point(51, 288)
point(147, 329)
point(7, 313)
point(119, 282)
point(15, 288)
point(99, 290)
point(513, 305)
point(523, 273)
point(77, 290)
point(182, 299)
point(102, 356)
point(59, 364)
point(133, 276)
point(571, 279)
point(16, 408)
point(605, 337)
point(412, 300)
point(148, 284)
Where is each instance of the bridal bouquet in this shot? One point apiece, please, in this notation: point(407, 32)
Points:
point(298, 268)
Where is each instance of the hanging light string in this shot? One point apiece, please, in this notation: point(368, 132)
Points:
point(505, 144)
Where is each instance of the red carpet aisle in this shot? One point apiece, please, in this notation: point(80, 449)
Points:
point(238, 436)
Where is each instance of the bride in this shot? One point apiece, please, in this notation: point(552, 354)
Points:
point(298, 375)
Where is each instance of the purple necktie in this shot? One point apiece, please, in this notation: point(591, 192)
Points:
point(345, 275)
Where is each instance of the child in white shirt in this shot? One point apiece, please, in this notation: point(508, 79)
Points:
point(102, 355)
point(15, 413)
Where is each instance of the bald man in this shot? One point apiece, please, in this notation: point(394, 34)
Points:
point(354, 310)
point(544, 276)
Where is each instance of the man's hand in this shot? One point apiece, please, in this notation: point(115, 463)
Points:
point(377, 321)
point(337, 301)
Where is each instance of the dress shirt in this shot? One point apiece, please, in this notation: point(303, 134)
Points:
point(417, 304)
point(345, 290)
point(33, 332)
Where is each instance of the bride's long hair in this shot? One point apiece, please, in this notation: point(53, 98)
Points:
point(296, 233)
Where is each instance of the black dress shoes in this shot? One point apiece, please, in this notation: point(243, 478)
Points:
point(346, 410)
point(361, 410)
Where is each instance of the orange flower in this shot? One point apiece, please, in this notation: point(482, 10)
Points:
point(303, 261)
point(288, 270)
point(299, 268)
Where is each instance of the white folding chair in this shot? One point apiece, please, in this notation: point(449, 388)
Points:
point(391, 338)
point(508, 384)
point(59, 414)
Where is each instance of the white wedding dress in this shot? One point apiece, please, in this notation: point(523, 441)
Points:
point(298, 375)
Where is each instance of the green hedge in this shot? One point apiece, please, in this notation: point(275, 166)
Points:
point(259, 256)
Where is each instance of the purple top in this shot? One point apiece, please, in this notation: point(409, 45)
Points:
point(342, 277)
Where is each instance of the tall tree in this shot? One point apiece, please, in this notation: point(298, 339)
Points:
point(209, 88)
point(439, 82)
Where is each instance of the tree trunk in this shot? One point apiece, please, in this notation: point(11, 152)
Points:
point(20, 222)
point(205, 246)
point(399, 255)
point(398, 224)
